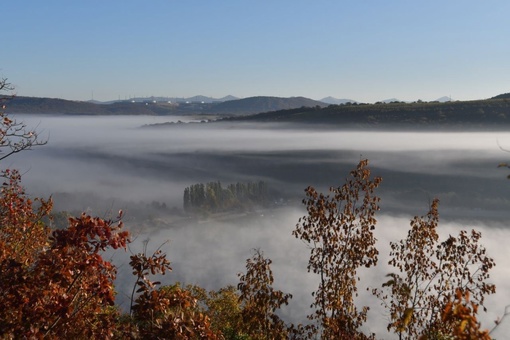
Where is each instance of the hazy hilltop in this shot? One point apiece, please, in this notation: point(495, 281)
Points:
point(263, 104)
point(336, 101)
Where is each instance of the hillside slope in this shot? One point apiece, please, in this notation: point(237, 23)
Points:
point(37, 105)
point(262, 104)
point(481, 114)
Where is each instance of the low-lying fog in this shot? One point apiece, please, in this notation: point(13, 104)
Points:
point(102, 164)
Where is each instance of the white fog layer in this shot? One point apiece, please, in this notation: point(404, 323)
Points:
point(102, 164)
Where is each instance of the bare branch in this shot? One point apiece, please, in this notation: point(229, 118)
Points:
point(500, 147)
point(500, 320)
point(15, 136)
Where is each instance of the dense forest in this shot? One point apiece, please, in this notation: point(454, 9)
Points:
point(57, 283)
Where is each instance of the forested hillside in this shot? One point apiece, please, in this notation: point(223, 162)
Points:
point(481, 114)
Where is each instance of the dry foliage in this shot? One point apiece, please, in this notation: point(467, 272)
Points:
point(260, 300)
point(171, 312)
point(429, 274)
point(339, 232)
point(143, 266)
point(460, 316)
point(224, 309)
point(54, 285)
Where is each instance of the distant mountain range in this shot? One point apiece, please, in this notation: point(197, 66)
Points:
point(262, 104)
point(194, 99)
point(494, 113)
point(157, 106)
point(228, 105)
point(335, 101)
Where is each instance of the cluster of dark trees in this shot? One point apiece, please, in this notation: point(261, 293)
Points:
point(212, 197)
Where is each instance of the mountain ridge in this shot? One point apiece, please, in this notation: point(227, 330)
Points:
point(487, 112)
point(251, 105)
point(259, 104)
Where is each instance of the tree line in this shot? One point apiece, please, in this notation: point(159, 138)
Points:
point(479, 114)
point(212, 197)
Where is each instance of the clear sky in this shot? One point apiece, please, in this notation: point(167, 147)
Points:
point(365, 50)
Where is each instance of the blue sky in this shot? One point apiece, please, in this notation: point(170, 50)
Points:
point(362, 50)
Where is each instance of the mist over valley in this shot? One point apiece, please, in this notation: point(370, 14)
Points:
point(106, 163)
point(357, 153)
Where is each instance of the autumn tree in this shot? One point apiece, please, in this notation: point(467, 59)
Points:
point(63, 288)
point(83, 289)
point(54, 284)
point(143, 266)
point(171, 312)
point(167, 312)
point(224, 308)
point(260, 300)
point(22, 233)
point(430, 275)
point(459, 314)
point(338, 229)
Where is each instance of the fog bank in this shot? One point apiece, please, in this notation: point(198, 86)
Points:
point(101, 164)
